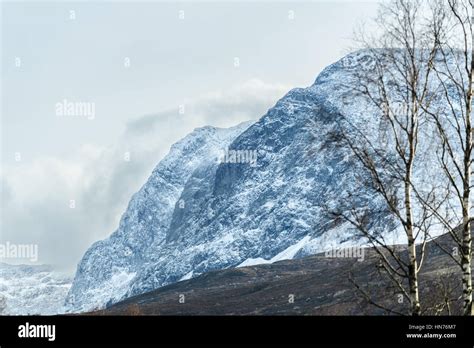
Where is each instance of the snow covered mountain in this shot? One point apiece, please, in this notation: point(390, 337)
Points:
point(32, 290)
point(250, 194)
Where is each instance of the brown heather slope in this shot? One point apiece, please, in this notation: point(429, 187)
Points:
point(318, 285)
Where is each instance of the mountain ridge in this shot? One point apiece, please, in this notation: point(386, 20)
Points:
point(197, 214)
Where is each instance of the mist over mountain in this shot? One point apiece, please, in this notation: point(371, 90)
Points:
point(32, 289)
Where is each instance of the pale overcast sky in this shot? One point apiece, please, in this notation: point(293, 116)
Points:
point(138, 64)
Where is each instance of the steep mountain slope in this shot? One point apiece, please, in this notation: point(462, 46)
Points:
point(109, 266)
point(199, 213)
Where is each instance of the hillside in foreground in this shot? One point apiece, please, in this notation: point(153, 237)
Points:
point(319, 285)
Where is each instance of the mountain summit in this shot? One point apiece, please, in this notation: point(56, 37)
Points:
point(229, 197)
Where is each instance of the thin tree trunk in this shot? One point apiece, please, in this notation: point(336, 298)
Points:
point(412, 262)
point(466, 204)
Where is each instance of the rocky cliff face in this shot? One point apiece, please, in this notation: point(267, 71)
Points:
point(250, 194)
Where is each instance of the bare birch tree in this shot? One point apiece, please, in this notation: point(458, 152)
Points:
point(397, 85)
point(454, 69)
